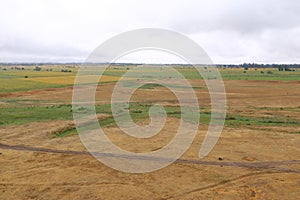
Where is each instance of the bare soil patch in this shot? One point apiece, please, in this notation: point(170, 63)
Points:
point(257, 162)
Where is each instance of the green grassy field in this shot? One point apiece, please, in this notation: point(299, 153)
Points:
point(14, 80)
point(231, 74)
point(15, 112)
point(139, 112)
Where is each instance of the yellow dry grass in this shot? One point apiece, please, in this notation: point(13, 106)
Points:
point(70, 79)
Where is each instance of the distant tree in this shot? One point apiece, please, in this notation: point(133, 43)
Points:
point(37, 68)
point(66, 70)
point(246, 66)
point(287, 69)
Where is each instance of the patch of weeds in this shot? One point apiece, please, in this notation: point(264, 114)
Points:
point(150, 86)
point(198, 88)
point(136, 111)
point(232, 120)
point(65, 132)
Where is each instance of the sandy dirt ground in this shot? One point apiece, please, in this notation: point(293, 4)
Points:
point(256, 162)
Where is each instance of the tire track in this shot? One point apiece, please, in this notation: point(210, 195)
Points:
point(270, 165)
point(220, 184)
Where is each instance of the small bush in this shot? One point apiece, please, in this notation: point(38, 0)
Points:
point(65, 70)
point(136, 111)
point(37, 68)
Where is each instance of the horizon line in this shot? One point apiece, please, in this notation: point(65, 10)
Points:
point(134, 63)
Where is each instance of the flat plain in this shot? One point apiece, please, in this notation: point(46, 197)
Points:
point(256, 157)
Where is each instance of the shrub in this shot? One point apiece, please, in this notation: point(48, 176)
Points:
point(37, 68)
point(65, 70)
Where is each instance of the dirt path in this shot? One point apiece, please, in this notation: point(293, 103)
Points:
point(270, 165)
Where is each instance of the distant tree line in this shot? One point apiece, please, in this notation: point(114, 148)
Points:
point(279, 66)
point(282, 67)
point(19, 68)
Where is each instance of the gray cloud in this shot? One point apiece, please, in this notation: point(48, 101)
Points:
point(231, 31)
point(244, 17)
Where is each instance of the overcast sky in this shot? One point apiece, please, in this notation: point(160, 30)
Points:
point(230, 31)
